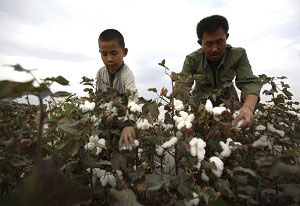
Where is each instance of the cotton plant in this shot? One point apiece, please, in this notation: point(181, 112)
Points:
point(110, 108)
point(219, 165)
point(204, 177)
point(87, 106)
point(166, 145)
point(227, 148)
point(216, 111)
point(106, 178)
point(95, 142)
point(271, 128)
point(184, 120)
point(197, 146)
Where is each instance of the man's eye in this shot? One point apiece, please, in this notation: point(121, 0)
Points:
point(219, 42)
point(208, 44)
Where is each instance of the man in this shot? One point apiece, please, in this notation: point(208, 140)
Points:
point(217, 63)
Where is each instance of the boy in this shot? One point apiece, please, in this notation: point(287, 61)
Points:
point(116, 74)
point(218, 63)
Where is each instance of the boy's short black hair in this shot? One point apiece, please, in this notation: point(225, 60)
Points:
point(112, 34)
point(211, 24)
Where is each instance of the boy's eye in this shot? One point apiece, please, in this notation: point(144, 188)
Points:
point(114, 53)
point(103, 54)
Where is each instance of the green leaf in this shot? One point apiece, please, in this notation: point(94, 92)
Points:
point(162, 63)
point(152, 90)
point(125, 197)
point(61, 94)
point(11, 89)
point(154, 182)
point(245, 170)
point(59, 79)
point(223, 187)
point(73, 127)
point(19, 68)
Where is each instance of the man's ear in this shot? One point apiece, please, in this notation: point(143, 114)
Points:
point(227, 36)
point(125, 50)
point(199, 42)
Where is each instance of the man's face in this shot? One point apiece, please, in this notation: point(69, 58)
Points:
point(214, 44)
point(112, 54)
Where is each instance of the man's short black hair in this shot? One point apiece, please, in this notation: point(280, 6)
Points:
point(112, 34)
point(211, 24)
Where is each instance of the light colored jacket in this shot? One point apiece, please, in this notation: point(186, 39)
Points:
point(123, 80)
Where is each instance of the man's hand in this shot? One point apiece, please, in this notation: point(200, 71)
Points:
point(246, 112)
point(127, 137)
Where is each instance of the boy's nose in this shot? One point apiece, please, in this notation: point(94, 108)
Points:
point(109, 59)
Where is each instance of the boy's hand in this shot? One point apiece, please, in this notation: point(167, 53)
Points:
point(127, 137)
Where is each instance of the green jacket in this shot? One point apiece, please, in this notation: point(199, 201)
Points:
point(234, 64)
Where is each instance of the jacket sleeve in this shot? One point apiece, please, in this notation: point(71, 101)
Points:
point(245, 80)
point(188, 69)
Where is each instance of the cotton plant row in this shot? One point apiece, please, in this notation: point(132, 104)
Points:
point(105, 177)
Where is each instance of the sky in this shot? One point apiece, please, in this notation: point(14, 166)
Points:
point(59, 37)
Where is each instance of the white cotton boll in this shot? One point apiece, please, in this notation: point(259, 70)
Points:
point(114, 111)
point(262, 141)
point(134, 168)
point(92, 106)
point(198, 165)
point(159, 150)
point(100, 173)
point(218, 110)
point(130, 148)
point(88, 170)
point(119, 173)
point(167, 126)
point(178, 105)
point(93, 118)
point(89, 146)
point(193, 141)
point(193, 151)
point(173, 140)
point(204, 177)
point(226, 152)
point(194, 201)
point(183, 114)
point(239, 124)
point(136, 143)
point(94, 138)
point(84, 108)
point(188, 124)
point(166, 145)
point(200, 154)
point(190, 118)
point(200, 143)
point(209, 106)
point(101, 141)
point(112, 180)
point(98, 150)
point(180, 125)
point(219, 164)
point(260, 128)
point(104, 180)
point(271, 128)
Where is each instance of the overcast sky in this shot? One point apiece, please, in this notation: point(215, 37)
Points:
point(59, 37)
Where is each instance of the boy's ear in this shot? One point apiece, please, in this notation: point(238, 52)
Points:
point(125, 50)
point(199, 42)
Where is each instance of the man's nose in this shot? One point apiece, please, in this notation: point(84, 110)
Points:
point(109, 58)
point(214, 48)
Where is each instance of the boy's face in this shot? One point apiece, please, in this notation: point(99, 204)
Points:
point(214, 44)
point(112, 54)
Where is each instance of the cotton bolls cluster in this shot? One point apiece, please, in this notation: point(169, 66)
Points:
point(178, 105)
point(195, 200)
point(136, 143)
point(262, 141)
point(110, 108)
point(197, 148)
point(294, 114)
point(260, 128)
point(87, 106)
point(160, 149)
point(227, 149)
point(219, 164)
point(216, 111)
point(133, 107)
point(95, 142)
point(162, 112)
point(105, 177)
point(143, 124)
point(271, 128)
point(184, 120)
